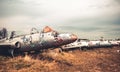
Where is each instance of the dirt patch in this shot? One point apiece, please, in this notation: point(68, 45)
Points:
point(97, 60)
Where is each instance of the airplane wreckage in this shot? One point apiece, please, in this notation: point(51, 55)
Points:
point(48, 39)
point(84, 44)
point(35, 41)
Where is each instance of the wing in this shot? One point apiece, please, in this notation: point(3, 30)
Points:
point(4, 45)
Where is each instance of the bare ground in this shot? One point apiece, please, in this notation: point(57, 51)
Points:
point(97, 60)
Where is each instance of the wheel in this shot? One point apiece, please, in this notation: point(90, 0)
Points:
point(80, 48)
point(60, 50)
point(84, 48)
point(11, 51)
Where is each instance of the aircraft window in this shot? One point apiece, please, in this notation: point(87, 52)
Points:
point(78, 40)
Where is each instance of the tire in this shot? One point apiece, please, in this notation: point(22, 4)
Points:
point(84, 48)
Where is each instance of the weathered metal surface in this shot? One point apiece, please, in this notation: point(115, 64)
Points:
point(36, 41)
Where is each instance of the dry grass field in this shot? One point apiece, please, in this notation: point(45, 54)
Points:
point(96, 60)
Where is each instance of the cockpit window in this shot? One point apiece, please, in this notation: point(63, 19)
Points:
point(78, 40)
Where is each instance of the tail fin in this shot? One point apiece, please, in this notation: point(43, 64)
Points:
point(3, 33)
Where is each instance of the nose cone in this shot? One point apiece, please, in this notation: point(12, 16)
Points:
point(74, 37)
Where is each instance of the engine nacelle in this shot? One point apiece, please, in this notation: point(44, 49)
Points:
point(16, 45)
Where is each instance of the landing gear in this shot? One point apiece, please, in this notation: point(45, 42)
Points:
point(11, 51)
point(84, 48)
point(60, 50)
point(80, 48)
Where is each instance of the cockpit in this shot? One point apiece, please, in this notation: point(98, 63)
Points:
point(33, 31)
point(47, 31)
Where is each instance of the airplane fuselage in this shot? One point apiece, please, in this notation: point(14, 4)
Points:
point(38, 41)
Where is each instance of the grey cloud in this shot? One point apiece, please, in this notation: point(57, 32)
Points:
point(79, 28)
point(109, 24)
point(113, 34)
point(115, 29)
point(95, 21)
point(17, 7)
point(117, 1)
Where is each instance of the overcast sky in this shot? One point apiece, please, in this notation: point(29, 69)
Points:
point(87, 18)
